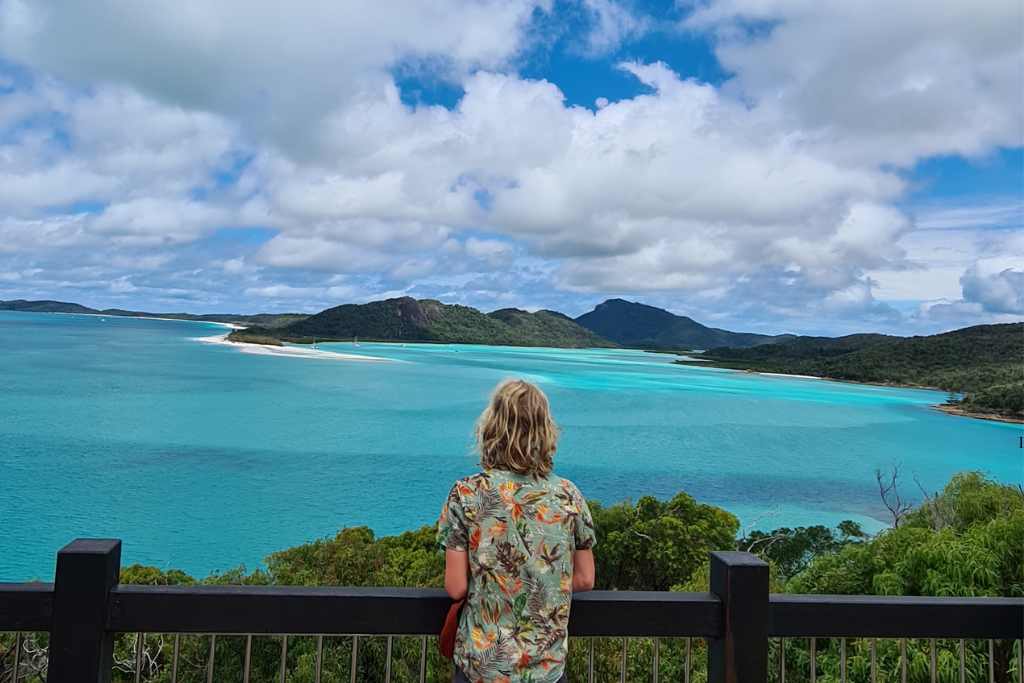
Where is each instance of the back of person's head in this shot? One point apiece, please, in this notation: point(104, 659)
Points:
point(516, 431)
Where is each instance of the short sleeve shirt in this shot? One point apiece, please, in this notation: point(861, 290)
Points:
point(520, 533)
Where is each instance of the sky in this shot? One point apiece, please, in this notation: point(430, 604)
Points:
point(807, 166)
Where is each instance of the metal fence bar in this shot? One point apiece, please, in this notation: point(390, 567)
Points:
point(963, 663)
point(903, 660)
point(247, 665)
point(933, 669)
point(782, 660)
point(139, 642)
point(590, 661)
point(319, 656)
point(284, 659)
point(842, 660)
point(17, 657)
point(991, 661)
point(814, 660)
point(654, 673)
point(622, 665)
point(355, 657)
point(213, 657)
point(423, 659)
point(874, 660)
point(387, 663)
point(1020, 662)
point(174, 659)
point(689, 662)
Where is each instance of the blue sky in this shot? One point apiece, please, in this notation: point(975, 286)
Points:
point(768, 166)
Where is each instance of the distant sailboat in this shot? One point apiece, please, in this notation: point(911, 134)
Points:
point(355, 341)
point(314, 343)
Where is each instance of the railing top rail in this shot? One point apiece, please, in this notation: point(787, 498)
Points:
point(872, 616)
point(394, 611)
point(26, 606)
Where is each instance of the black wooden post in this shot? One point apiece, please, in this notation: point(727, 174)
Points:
point(740, 580)
point(81, 649)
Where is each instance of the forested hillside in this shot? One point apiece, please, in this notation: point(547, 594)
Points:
point(638, 325)
point(427, 320)
point(985, 362)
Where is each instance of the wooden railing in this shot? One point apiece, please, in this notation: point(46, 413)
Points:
point(86, 608)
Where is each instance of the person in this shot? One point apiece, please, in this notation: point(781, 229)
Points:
point(518, 542)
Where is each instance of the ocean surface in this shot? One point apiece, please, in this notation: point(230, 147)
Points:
point(202, 457)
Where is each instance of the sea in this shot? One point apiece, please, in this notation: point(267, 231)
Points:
point(202, 457)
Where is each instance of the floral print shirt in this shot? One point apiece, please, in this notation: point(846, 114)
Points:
point(520, 533)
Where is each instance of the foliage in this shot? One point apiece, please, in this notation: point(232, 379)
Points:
point(246, 336)
point(1005, 398)
point(427, 320)
point(984, 361)
point(967, 540)
point(790, 551)
point(655, 544)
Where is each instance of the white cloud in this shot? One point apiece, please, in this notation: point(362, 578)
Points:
point(997, 292)
point(875, 81)
point(774, 193)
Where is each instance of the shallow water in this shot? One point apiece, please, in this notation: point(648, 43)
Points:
point(202, 457)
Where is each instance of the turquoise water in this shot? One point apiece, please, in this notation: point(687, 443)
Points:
point(202, 457)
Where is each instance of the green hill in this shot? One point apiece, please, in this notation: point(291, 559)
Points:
point(638, 325)
point(985, 362)
point(427, 320)
point(45, 306)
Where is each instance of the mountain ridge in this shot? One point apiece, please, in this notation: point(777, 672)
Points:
point(631, 323)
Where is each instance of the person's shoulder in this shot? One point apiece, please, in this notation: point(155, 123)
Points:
point(467, 486)
point(564, 484)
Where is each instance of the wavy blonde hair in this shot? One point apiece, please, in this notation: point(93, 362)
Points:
point(516, 431)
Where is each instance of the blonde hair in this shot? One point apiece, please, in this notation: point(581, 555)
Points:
point(516, 431)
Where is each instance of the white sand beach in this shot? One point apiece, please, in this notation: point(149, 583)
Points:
point(289, 351)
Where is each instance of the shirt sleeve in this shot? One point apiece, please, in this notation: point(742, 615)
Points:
point(583, 525)
point(451, 525)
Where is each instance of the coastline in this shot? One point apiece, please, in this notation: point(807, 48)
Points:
point(991, 417)
point(233, 326)
point(287, 351)
point(941, 407)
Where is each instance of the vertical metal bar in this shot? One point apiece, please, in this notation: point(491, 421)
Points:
point(991, 662)
point(782, 660)
point(814, 660)
point(17, 656)
point(654, 674)
point(590, 662)
point(284, 659)
point(1020, 662)
point(319, 657)
point(247, 666)
point(174, 658)
point(139, 642)
point(689, 661)
point(213, 656)
point(842, 660)
point(903, 660)
point(355, 657)
point(874, 660)
point(963, 663)
point(622, 665)
point(932, 667)
point(423, 660)
point(387, 663)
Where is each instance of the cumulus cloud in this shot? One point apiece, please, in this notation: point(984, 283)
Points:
point(998, 292)
point(875, 81)
point(146, 130)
